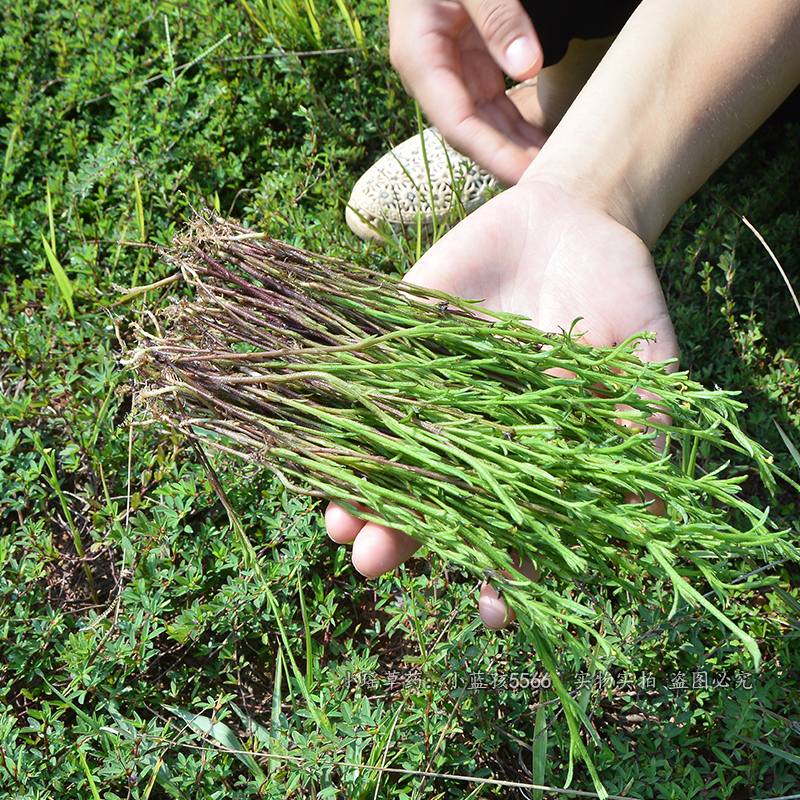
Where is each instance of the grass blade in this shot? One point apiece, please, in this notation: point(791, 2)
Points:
point(307, 635)
point(352, 22)
point(275, 725)
point(539, 751)
point(224, 737)
point(790, 757)
point(88, 773)
point(52, 479)
point(255, 17)
point(789, 444)
point(313, 20)
point(63, 282)
point(139, 209)
point(154, 765)
point(259, 731)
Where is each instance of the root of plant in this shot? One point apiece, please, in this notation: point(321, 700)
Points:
point(470, 430)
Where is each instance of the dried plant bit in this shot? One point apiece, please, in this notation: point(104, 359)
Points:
point(346, 383)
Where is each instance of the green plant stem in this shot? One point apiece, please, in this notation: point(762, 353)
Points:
point(449, 425)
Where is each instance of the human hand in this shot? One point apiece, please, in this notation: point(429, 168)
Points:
point(451, 55)
point(538, 251)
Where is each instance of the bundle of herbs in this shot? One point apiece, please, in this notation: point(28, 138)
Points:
point(470, 430)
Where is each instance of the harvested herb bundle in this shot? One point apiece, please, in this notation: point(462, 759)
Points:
point(350, 385)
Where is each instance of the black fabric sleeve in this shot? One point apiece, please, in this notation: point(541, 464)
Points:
point(558, 21)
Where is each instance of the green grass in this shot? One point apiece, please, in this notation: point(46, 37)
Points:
point(234, 665)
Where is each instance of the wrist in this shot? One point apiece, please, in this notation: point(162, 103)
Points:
point(611, 189)
point(604, 151)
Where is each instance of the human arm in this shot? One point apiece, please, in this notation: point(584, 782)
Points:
point(683, 85)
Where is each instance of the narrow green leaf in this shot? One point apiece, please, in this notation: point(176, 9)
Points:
point(159, 771)
point(255, 17)
point(790, 757)
point(49, 459)
point(10, 148)
point(307, 636)
point(539, 751)
point(223, 735)
point(789, 444)
point(139, 209)
point(64, 283)
point(50, 215)
point(351, 20)
point(82, 715)
point(259, 731)
point(88, 773)
point(275, 727)
point(313, 20)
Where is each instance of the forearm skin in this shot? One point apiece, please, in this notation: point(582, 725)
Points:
point(684, 85)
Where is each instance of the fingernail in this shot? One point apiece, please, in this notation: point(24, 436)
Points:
point(520, 56)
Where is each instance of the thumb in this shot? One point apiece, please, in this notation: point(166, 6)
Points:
point(509, 35)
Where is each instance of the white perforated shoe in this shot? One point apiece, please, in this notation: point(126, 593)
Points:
point(396, 189)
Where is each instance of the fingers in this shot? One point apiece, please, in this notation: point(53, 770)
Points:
point(509, 36)
point(448, 68)
point(342, 526)
point(377, 549)
point(656, 504)
point(494, 612)
point(424, 37)
point(503, 26)
point(495, 615)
